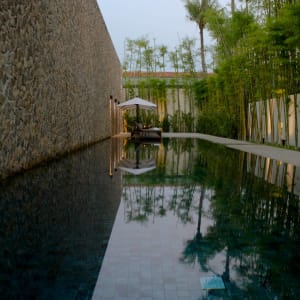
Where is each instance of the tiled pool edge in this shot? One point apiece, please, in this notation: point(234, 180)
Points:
point(97, 289)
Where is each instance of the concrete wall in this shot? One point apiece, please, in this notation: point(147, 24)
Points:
point(276, 121)
point(58, 68)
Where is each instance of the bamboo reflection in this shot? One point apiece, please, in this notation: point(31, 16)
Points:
point(252, 204)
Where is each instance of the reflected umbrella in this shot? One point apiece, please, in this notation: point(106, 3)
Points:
point(137, 169)
point(137, 166)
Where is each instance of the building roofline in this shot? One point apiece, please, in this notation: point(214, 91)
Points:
point(164, 75)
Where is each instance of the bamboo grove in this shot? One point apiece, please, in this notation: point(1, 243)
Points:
point(255, 57)
point(148, 63)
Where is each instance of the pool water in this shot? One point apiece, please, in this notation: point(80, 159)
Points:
point(55, 224)
point(124, 220)
point(204, 210)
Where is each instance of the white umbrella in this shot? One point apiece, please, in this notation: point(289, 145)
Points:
point(137, 102)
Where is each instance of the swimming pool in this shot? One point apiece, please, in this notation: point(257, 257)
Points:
point(204, 210)
point(122, 220)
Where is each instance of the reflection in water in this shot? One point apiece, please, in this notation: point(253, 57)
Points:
point(55, 224)
point(245, 209)
point(137, 165)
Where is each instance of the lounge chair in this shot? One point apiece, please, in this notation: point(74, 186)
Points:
point(148, 133)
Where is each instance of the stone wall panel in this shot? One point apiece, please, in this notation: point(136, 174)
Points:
point(58, 68)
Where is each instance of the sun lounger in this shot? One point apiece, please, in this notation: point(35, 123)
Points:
point(149, 133)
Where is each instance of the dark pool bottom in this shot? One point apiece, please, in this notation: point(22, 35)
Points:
point(55, 224)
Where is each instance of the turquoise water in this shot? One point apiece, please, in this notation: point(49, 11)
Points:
point(194, 210)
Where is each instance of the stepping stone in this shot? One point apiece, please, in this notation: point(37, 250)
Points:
point(212, 283)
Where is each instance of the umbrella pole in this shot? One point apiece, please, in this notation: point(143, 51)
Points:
point(137, 113)
point(137, 163)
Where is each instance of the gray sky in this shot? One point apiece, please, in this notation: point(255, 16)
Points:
point(162, 20)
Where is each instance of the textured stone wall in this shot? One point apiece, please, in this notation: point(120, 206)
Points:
point(58, 68)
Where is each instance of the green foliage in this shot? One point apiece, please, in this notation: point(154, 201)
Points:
point(218, 123)
point(255, 60)
point(158, 88)
point(130, 120)
point(165, 124)
point(188, 122)
point(186, 55)
point(147, 118)
point(284, 31)
point(200, 91)
point(129, 88)
point(241, 26)
point(175, 121)
point(196, 11)
point(256, 57)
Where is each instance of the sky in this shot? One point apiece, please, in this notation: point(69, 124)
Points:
point(161, 21)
